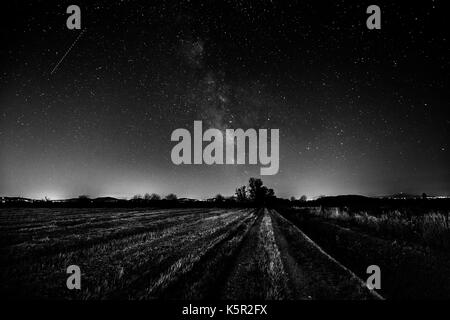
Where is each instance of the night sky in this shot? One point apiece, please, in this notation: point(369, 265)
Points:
point(359, 111)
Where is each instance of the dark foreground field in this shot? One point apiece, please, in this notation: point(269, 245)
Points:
point(167, 254)
point(412, 265)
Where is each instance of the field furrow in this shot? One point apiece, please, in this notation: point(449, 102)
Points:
point(167, 254)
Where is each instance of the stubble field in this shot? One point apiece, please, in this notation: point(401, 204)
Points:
point(166, 254)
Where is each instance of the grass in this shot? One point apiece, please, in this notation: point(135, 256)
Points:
point(429, 229)
point(410, 267)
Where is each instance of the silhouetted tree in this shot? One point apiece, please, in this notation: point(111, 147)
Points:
point(259, 193)
point(303, 198)
point(219, 198)
point(255, 189)
point(84, 199)
point(155, 197)
point(269, 194)
point(137, 197)
point(241, 194)
point(171, 197)
point(293, 199)
point(424, 196)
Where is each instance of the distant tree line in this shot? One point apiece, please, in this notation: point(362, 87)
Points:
point(154, 197)
point(254, 194)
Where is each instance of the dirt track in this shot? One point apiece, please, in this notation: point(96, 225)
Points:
point(278, 261)
point(274, 261)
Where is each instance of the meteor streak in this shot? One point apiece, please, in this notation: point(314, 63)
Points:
point(67, 52)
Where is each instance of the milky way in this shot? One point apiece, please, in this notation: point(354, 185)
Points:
point(359, 111)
